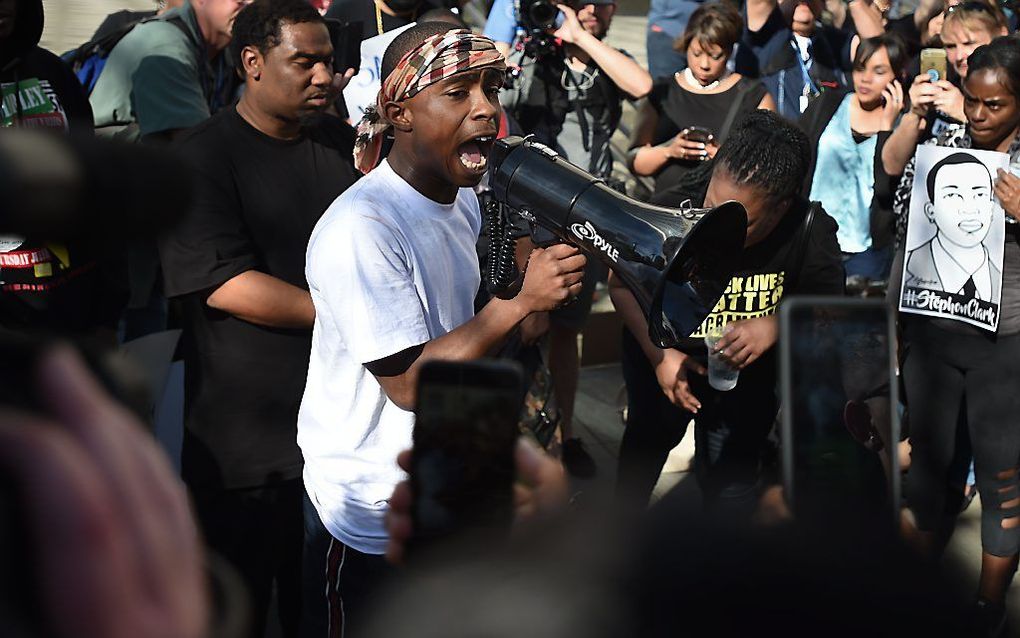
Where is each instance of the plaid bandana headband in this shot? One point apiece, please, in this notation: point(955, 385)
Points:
point(438, 58)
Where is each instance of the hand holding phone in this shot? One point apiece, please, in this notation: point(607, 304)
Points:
point(698, 134)
point(693, 143)
point(922, 95)
point(892, 104)
point(462, 463)
point(541, 490)
point(839, 419)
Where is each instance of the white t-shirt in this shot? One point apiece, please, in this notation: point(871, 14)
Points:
point(388, 269)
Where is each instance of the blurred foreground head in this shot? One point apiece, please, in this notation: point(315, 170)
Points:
point(682, 575)
point(69, 187)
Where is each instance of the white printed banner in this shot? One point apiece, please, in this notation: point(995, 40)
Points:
point(955, 237)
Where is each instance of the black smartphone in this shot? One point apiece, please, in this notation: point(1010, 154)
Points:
point(840, 425)
point(699, 134)
point(346, 40)
point(465, 432)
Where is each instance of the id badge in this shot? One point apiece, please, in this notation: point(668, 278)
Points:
point(804, 103)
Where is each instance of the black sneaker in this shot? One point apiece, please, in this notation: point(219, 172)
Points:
point(989, 619)
point(576, 459)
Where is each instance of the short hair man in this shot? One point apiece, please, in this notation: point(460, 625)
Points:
point(234, 268)
point(393, 273)
point(572, 99)
point(961, 207)
point(169, 74)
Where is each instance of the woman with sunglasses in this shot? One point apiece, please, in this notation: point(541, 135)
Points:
point(847, 130)
point(936, 106)
point(687, 116)
point(956, 375)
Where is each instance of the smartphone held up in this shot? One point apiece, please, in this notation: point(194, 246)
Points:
point(933, 64)
point(465, 434)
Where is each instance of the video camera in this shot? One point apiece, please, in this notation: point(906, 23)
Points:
point(538, 18)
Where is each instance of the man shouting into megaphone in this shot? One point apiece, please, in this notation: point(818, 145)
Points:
point(393, 274)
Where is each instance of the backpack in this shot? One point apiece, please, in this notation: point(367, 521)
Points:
point(88, 60)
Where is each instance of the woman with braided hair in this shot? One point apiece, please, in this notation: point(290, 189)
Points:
point(790, 248)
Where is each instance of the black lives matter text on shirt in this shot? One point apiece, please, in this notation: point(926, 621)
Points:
point(258, 199)
point(785, 263)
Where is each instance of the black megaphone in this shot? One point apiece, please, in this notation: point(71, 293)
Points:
point(677, 263)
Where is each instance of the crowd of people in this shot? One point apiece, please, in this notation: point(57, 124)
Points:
point(325, 259)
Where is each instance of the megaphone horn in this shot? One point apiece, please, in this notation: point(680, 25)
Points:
point(676, 263)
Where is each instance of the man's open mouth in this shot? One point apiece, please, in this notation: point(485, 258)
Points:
point(474, 153)
point(971, 226)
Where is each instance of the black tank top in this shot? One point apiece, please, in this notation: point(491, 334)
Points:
point(679, 108)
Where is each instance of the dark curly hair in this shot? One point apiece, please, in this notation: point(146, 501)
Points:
point(258, 24)
point(768, 152)
point(763, 150)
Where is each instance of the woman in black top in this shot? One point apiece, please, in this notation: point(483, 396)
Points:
point(705, 95)
point(956, 375)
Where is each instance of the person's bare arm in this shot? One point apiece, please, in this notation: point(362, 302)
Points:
point(671, 366)
point(900, 146)
point(867, 19)
point(553, 277)
point(646, 159)
point(625, 73)
point(264, 300)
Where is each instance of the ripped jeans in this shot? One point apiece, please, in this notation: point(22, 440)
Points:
point(943, 371)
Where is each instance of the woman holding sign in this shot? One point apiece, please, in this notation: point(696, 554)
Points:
point(962, 354)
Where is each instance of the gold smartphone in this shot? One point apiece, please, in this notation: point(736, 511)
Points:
point(933, 64)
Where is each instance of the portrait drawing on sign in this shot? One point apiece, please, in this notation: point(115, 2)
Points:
point(961, 208)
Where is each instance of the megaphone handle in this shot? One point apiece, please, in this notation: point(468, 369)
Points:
point(501, 262)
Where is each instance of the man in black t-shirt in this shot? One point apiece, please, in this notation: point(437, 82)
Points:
point(790, 248)
point(234, 268)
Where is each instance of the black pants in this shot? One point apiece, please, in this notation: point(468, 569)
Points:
point(731, 432)
point(340, 583)
point(258, 531)
point(944, 373)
